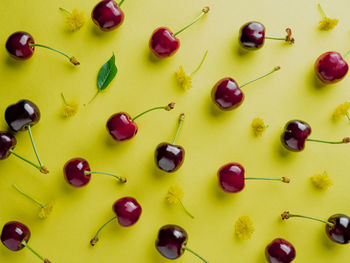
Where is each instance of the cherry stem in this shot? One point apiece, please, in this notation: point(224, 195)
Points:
point(72, 59)
point(33, 144)
point(121, 179)
point(184, 208)
point(194, 253)
point(287, 215)
point(204, 11)
point(181, 121)
point(288, 38)
point(282, 179)
point(64, 10)
point(345, 140)
point(321, 10)
point(120, 3)
point(346, 53)
point(28, 196)
point(276, 38)
point(168, 107)
point(200, 64)
point(263, 76)
point(24, 243)
point(26, 160)
point(95, 239)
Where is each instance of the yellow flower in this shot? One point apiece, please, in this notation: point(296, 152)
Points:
point(185, 81)
point(46, 210)
point(258, 126)
point(341, 111)
point(74, 20)
point(70, 108)
point(174, 195)
point(321, 181)
point(244, 227)
point(326, 23)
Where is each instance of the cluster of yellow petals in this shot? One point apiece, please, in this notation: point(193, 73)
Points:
point(321, 181)
point(244, 227)
point(258, 126)
point(174, 195)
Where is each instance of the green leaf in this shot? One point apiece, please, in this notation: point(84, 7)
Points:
point(106, 74)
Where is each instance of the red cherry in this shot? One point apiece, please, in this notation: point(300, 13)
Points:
point(280, 251)
point(7, 144)
point(331, 67)
point(107, 15)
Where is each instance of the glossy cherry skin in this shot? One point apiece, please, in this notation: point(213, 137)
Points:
point(163, 43)
point(13, 234)
point(169, 157)
point(231, 177)
point(22, 114)
point(171, 241)
point(252, 35)
point(107, 15)
point(74, 172)
point(295, 134)
point(128, 211)
point(17, 45)
point(121, 127)
point(226, 94)
point(330, 67)
point(7, 143)
point(280, 251)
point(340, 232)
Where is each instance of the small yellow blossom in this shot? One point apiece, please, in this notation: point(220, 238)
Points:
point(341, 111)
point(258, 126)
point(70, 108)
point(321, 181)
point(185, 81)
point(326, 23)
point(174, 195)
point(74, 20)
point(46, 210)
point(244, 227)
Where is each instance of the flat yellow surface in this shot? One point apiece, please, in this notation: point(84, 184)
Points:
point(209, 137)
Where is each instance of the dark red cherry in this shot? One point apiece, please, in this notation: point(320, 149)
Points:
point(252, 35)
point(22, 114)
point(7, 143)
point(17, 45)
point(280, 251)
point(226, 94)
point(121, 127)
point(107, 15)
point(171, 241)
point(339, 232)
point(331, 67)
point(75, 172)
point(231, 177)
point(163, 43)
point(169, 157)
point(128, 211)
point(295, 134)
point(13, 234)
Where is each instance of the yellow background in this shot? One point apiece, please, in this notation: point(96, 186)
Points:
point(209, 137)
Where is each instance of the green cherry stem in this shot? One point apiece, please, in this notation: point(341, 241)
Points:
point(181, 121)
point(200, 64)
point(72, 59)
point(120, 3)
point(168, 107)
point(288, 38)
point(287, 215)
point(346, 53)
point(343, 141)
point(195, 253)
point(185, 209)
point(282, 179)
point(29, 162)
point(24, 243)
point(95, 238)
point(205, 10)
point(28, 196)
point(263, 76)
point(42, 167)
point(120, 178)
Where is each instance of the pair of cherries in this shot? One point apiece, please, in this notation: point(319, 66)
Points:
point(20, 116)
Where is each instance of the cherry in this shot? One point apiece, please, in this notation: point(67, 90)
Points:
point(227, 95)
point(15, 236)
point(164, 43)
point(128, 212)
point(169, 157)
point(252, 36)
point(107, 15)
point(22, 116)
point(280, 251)
point(122, 127)
point(78, 174)
point(171, 242)
point(20, 45)
point(232, 180)
point(337, 226)
point(331, 67)
point(296, 133)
